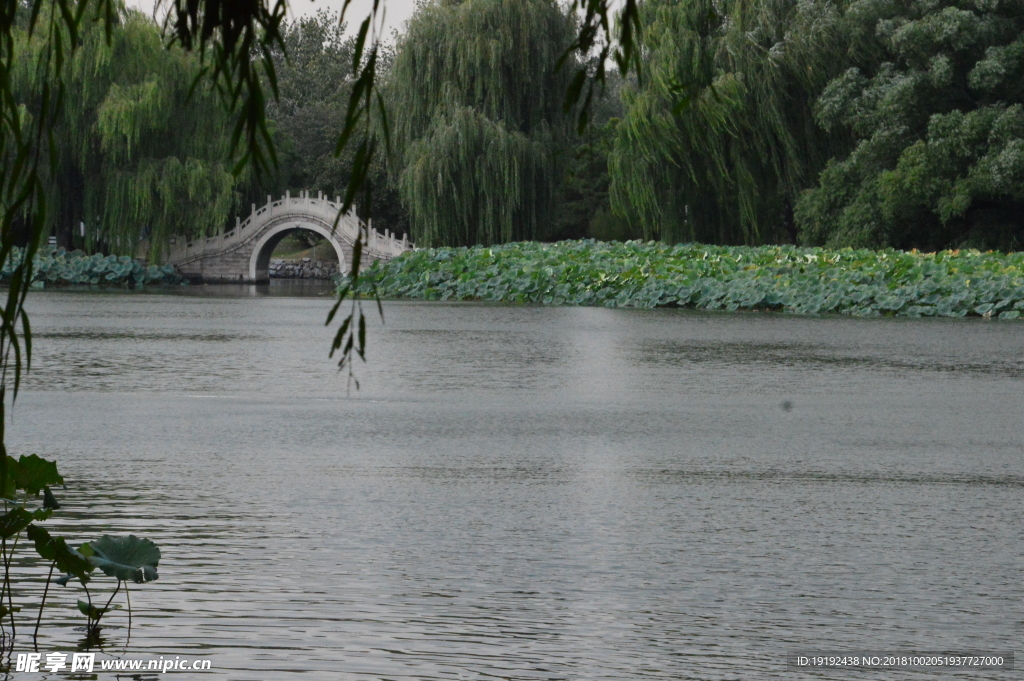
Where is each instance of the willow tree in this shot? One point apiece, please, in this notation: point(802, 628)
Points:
point(135, 152)
point(718, 136)
point(478, 118)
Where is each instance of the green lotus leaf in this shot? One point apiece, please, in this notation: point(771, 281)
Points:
point(32, 473)
point(18, 518)
point(56, 549)
point(5, 611)
point(94, 613)
point(50, 501)
point(126, 558)
point(14, 521)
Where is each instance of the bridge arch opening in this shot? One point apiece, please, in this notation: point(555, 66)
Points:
point(259, 264)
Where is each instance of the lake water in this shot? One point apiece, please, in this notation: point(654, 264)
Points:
point(534, 493)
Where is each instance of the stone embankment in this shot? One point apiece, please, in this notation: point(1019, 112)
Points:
point(307, 268)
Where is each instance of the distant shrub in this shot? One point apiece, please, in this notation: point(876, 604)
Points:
point(55, 266)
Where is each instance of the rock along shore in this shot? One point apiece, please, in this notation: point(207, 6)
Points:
point(307, 268)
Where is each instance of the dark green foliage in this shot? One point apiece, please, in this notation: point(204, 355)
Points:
point(64, 558)
point(17, 519)
point(582, 207)
point(718, 137)
point(935, 111)
point(786, 278)
point(32, 473)
point(124, 558)
point(136, 152)
point(478, 119)
point(314, 80)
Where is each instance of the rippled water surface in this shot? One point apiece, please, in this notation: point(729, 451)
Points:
point(535, 493)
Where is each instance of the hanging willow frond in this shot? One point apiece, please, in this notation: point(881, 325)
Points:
point(478, 117)
point(719, 135)
point(136, 150)
point(470, 180)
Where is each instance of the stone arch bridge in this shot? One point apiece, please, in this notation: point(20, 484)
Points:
point(243, 253)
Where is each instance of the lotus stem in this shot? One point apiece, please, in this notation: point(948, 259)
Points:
point(127, 595)
point(46, 590)
point(89, 597)
point(104, 610)
point(7, 583)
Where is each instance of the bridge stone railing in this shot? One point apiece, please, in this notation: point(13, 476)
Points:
point(226, 256)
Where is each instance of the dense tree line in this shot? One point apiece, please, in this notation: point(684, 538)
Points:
point(840, 123)
point(136, 151)
point(718, 137)
point(478, 118)
point(849, 123)
point(933, 106)
point(853, 123)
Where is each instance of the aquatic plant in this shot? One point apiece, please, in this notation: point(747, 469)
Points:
point(124, 558)
point(55, 266)
point(860, 282)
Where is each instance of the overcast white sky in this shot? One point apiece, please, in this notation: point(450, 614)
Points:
point(397, 11)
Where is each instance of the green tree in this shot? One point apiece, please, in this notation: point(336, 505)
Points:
point(582, 206)
point(134, 151)
point(478, 121)
point(314, 80)
point(718, 136)
point(936, 115)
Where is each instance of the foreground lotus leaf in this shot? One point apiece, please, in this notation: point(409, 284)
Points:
point(5, 611)
point(33, 473)
point(126, 558)
point(65, 558)
point(94, 613)
point(14, 521)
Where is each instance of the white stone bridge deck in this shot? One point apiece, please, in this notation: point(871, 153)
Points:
point(243, 254)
